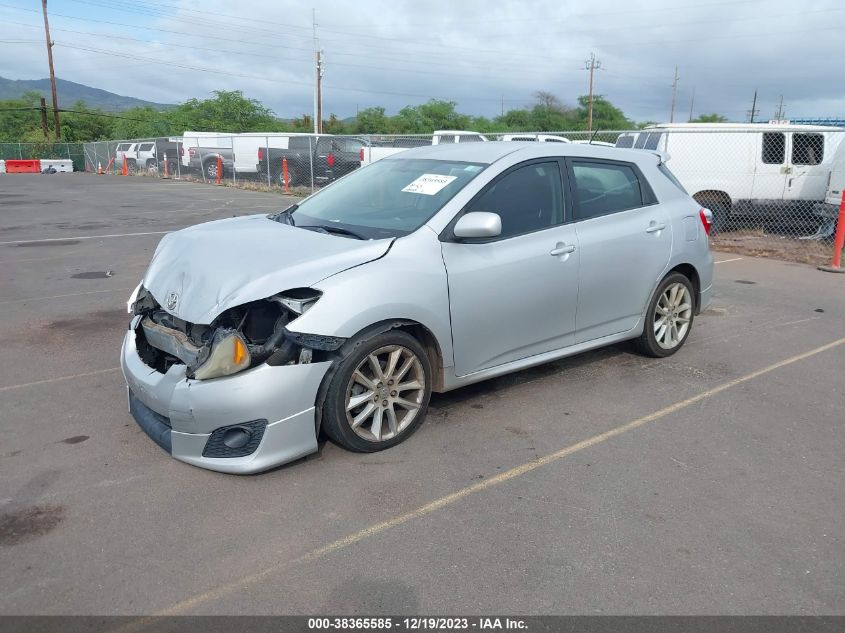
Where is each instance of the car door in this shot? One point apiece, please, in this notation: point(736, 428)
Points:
point(625, 242)
point(514, 296)
point(770, 168)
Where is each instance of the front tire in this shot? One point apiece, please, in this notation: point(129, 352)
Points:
point(209, 170)
point(669, 317)
point(378, 395)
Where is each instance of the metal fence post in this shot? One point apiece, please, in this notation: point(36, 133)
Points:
point(311, 145)
point(267, 158)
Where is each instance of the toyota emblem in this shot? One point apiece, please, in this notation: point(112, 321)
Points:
point(172, 300)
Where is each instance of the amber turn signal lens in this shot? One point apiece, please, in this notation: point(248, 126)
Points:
point(239, 354)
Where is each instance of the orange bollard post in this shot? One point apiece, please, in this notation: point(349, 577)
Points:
point(838, 242)
point(166, 175)
point(285, 174)
point(219, 169)
point(124, 170)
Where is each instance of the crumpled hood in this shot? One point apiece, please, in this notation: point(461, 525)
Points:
point(219, 265)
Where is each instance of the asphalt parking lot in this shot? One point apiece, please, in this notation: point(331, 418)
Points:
point(712, 482)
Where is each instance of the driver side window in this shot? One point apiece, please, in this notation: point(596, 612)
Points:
point(527, 199)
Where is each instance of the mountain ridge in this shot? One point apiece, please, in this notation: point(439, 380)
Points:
point(69, 92)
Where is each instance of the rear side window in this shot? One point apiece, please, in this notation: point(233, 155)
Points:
point(604, 188)
point(446, 138)
point(523, 138)
point(123, 147)
point(807, 149)
point(469, 138)
point(528, 199)
point(642, 137)
point(774, 148)
point(652, 140)
point(299, 142)
point(625, 140)
point(145, 147)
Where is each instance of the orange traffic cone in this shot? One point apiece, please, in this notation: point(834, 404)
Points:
point(99, 167)
point(124, 170)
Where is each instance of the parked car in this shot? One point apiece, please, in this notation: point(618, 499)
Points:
point(151, 153)
point(537, 138)
point(201, 151)
point(426, 271)
point(745, 169)
point(321, 158)
point(126, 152)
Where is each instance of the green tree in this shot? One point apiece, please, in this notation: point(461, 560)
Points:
point(371, 121)
point(228, 111)
point(710, 118)
point(606, 116)
point(430, 116)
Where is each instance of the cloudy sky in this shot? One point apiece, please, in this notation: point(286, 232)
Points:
point(482, 54)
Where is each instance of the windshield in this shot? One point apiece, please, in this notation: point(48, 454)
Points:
point(389, 198)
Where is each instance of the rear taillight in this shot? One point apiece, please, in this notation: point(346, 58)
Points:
point(361, 155)
point(181, 151)
point(260, 154)
point(706, 219)
point(330, 160)
point(192, 152)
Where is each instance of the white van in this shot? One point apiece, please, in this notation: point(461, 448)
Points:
point(829, 210)
point(736, 168)
point(246, 146)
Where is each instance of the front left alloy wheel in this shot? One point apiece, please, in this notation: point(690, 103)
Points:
point(379, 393)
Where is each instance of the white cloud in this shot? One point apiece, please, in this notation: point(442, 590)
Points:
point(475, 52)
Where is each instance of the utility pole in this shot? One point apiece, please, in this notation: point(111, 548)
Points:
point(319, 126)
point(691, 103)
point(779, 114)
point(753, 111)
point(592, 65)
point(52, 71)
point(44, 127)
point(674, 94)
point(316, 71)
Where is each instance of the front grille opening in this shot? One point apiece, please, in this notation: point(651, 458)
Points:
point(152, 357)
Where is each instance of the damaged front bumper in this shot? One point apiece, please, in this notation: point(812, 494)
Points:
point(273, 405)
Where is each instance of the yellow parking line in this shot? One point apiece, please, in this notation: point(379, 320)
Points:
point(59, 379)
point(442, 502)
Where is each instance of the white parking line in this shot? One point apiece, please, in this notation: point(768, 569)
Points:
point(83, 237)
point(725, 261)
point(72, 294)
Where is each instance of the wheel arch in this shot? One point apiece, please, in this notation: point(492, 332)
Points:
point(416, 329)
point(690, 272)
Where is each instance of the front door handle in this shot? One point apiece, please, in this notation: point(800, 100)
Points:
point(562, 250)
point(654, 228)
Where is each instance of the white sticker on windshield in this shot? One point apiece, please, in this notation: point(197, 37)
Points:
point(429, 184)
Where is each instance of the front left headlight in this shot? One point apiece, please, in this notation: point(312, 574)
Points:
point(229, 355)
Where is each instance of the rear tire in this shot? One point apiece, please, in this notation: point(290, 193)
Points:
point(209, 170)
point(378, 394)
point(669, 317)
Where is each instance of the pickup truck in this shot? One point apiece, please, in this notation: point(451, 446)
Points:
point(440, 137)
point(201, 150)
point(330, 157)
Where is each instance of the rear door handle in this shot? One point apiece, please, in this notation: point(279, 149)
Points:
point(562, 250)
point(654, 228)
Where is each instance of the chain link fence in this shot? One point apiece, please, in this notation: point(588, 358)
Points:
point(774, 190)
point(32, 151)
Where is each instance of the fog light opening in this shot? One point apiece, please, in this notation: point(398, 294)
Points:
point(237, 437)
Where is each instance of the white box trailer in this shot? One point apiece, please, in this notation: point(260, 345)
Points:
point(736, 168)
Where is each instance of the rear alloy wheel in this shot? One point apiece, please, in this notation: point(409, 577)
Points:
point(379, 394)
point(669, 317)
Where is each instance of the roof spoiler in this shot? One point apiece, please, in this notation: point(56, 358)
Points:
point(662, 157)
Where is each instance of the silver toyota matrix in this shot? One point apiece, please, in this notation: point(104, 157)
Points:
point(426, 271)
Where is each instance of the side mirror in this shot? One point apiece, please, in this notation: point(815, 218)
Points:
point(478, 224)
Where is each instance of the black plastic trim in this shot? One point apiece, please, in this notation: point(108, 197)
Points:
point(156, 426)
point(215, 447)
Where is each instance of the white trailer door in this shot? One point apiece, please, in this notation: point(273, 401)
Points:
point(771, 169)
